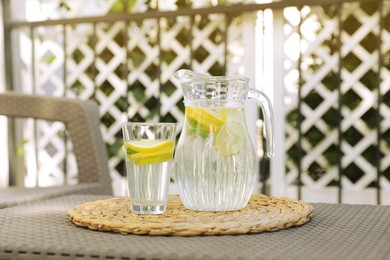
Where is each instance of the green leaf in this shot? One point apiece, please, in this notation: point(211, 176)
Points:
point(130, 152)
point(195, 129)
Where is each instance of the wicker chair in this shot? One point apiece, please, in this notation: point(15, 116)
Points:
point(81, 120)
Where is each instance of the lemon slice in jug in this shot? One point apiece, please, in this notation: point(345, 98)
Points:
point(230, 139)
point(209, 119)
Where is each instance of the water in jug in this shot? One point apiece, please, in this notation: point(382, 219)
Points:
point(215, 160)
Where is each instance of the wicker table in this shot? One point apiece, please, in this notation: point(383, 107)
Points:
point(42, 230)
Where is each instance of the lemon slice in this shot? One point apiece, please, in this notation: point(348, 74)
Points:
point(153, 159)
point(230, 139)
point(149, 151)
point(218, 113)
point(146, 145)
point(152, 154)
point(209, 119)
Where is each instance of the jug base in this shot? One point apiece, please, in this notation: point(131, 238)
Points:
point(214, 208)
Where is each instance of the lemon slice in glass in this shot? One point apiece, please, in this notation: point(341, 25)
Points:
point(154, 159)
point(146, 145)
point(149, 151)
point(230, 139)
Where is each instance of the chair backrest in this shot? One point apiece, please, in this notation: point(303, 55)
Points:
point(81, 119)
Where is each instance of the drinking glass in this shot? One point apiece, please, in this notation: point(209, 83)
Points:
point(149, 151)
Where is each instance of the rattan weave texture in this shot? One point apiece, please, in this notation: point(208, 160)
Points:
point(43, 231)
point(262, 213)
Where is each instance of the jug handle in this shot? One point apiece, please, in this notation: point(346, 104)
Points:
point(264, 102)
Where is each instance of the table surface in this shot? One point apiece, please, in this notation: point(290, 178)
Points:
point(337, 231)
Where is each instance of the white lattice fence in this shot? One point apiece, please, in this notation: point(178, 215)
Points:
point(128, 65)
point(385, 105)
point(313, 72)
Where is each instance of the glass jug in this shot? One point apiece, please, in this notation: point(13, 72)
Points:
point(215, 163)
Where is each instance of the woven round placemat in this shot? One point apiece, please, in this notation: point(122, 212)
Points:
point(262, 213)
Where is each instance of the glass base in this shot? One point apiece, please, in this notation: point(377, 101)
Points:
point(147, 209)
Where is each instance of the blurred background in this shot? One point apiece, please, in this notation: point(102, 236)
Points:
point(325, 64)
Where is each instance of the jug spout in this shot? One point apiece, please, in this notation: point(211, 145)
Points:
point(185, 75)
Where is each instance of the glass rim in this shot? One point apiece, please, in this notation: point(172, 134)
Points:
point(149, 124)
